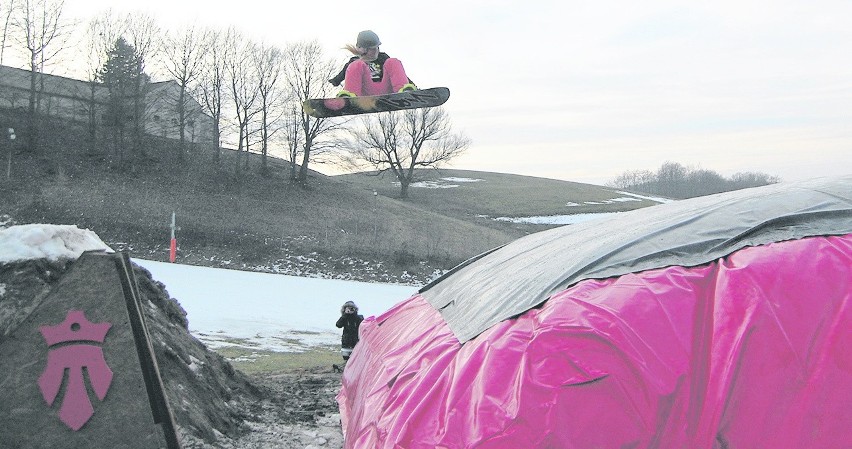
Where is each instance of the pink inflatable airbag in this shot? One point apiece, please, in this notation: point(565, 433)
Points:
point(751, 351)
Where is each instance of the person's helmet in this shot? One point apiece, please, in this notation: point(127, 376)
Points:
point(367, 39)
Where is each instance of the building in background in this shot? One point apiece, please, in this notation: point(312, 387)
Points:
point(78, 101)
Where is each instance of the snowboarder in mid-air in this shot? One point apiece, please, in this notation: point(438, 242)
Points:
point(371, 72)
point(373, 82)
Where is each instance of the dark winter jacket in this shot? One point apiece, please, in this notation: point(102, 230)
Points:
point(377, 74)
point(350, 323)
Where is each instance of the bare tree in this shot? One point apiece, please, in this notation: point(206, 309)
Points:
point(744, 180)
point(184, 55)
point(292, 137)
point(701, 181)
point(42, 32)
point(242, 89)
point(670, 176)
point(307, 72)
point(143, 34)
point(678, 181)
point(6, 10)
point(638, 180)
point(268, 63)
point(212, 83)
point(401, 142)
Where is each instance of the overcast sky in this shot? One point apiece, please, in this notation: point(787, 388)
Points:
point(582, 90)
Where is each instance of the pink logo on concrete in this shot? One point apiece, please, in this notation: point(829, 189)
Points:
point(67, 352)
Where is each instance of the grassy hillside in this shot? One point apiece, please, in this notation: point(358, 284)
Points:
point(253, 221)
point(474, 195)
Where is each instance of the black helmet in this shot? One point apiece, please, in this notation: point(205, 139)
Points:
point(367, 39)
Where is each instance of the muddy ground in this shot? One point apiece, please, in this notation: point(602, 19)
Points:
point(298, 410)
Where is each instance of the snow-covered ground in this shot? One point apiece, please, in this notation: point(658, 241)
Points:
point(580, 218)
point(257, 310)
point(442, 183)
point(558, 219)
point(268, 311)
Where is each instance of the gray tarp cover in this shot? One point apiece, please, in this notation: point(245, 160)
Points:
point(514, 278)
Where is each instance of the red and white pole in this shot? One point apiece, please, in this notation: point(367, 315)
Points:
point(173, 243)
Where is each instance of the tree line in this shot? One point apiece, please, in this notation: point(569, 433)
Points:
point(252, 91)
point(674, 180)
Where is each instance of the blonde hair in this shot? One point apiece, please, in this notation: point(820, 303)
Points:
point(355, 50)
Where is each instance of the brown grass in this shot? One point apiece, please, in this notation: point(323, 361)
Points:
point(269, 362)
point(260, 217)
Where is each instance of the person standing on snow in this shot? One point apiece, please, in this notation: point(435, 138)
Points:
point(371, 72)
point(350, 321)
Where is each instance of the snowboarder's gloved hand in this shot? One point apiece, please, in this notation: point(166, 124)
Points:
point(408, 87)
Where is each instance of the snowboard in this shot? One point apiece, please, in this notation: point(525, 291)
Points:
point(413, 99)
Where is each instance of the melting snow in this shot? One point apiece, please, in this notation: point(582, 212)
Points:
point(52, 242)
point(558, 219)
point(443, 183)
point(580, 218)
